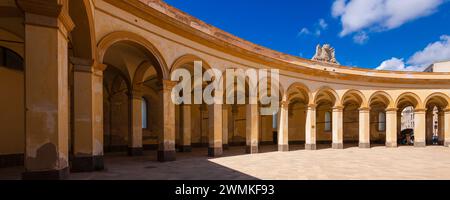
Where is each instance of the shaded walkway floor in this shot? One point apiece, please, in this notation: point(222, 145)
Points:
point(348, 164)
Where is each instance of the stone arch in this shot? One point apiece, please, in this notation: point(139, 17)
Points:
point(436, 104)
point(298, 98)
point(188, 58)
point(297, 89)
point(280, 87)
point(356, 96)
point(438, 98)
point(383, 97)
point(83, 35)
point(352, 101)
point(139, 74)
point(324, 92)
point(123, 36)
point(409, 98)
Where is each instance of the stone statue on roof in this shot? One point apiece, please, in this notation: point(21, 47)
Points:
point(326, 53)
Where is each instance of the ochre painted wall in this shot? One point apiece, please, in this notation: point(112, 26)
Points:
point(12, 131)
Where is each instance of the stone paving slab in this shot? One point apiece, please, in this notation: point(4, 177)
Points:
point(378, 163)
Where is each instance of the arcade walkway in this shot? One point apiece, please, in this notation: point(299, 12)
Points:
point(351, 163)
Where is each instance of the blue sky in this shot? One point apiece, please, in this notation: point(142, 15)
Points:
point(389, 34)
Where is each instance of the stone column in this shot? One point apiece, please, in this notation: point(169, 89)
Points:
point(47, 25)
point(88, 116)
point(187, 128)
point(364, 128)
point(391, 127)
point(310, 129)
point(338, 131)
point(215, 147)
point(419, 128)
point(283, 134)
point(225, 125)
point(166, 140)
point(252, 119)
point(234, 113)
point(441, 127)
point(135, 139)
point(429, 126)
point(447, 127)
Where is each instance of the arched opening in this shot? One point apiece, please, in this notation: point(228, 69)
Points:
point(12, 83)
point(134, 77)
point(325, 101)
point(408, 104)
point(237, 137)
point(298, 96)
point(192, 128)
point(378, 104)
point(352, 102)
point(144, 110)
point(12, 115)
point(435, 116)
point(116, 110)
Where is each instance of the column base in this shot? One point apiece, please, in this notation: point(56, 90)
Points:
point(251, 149)
point(225, 146)
point(61, 174)
point(166, 156)
point(447, 144)
point(337, 146)
point(310, 146)
point(185, 148)
point(87, 164)
point(391, 145)
point(215, 151)
point(364, 145)
point(135, 151)
point(420, 144)
point(283, 147)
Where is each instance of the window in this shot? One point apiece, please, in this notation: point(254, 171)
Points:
point(381, 121)
point(327, 121)
point(10, 59)
point(144, 113)
point(275, 121)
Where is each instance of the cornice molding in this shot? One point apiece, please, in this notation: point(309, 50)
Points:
point(46, 8)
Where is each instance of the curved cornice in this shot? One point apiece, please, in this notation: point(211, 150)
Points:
point(185, 25)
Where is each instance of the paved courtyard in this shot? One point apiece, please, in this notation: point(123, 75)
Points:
point(349, 164)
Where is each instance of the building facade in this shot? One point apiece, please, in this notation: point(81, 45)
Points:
point(81, 77)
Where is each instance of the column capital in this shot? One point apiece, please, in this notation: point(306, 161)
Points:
point(446, 110)
point(420, 110)
point(168, 85)
point(312, 106)
point(284, 104)
point(81, 64)
point(364, 109)
point(391, 109)
point(49, 8)
point(38, 12)
point(87, 66)
point(338, 108)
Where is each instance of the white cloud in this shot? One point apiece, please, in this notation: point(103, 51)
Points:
point(323, 24)
point(358, 15)
point(320, 26)
point(338, 8)
point(434, 52)
point(361, 38)
point(304, 31)
point(398, 64)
